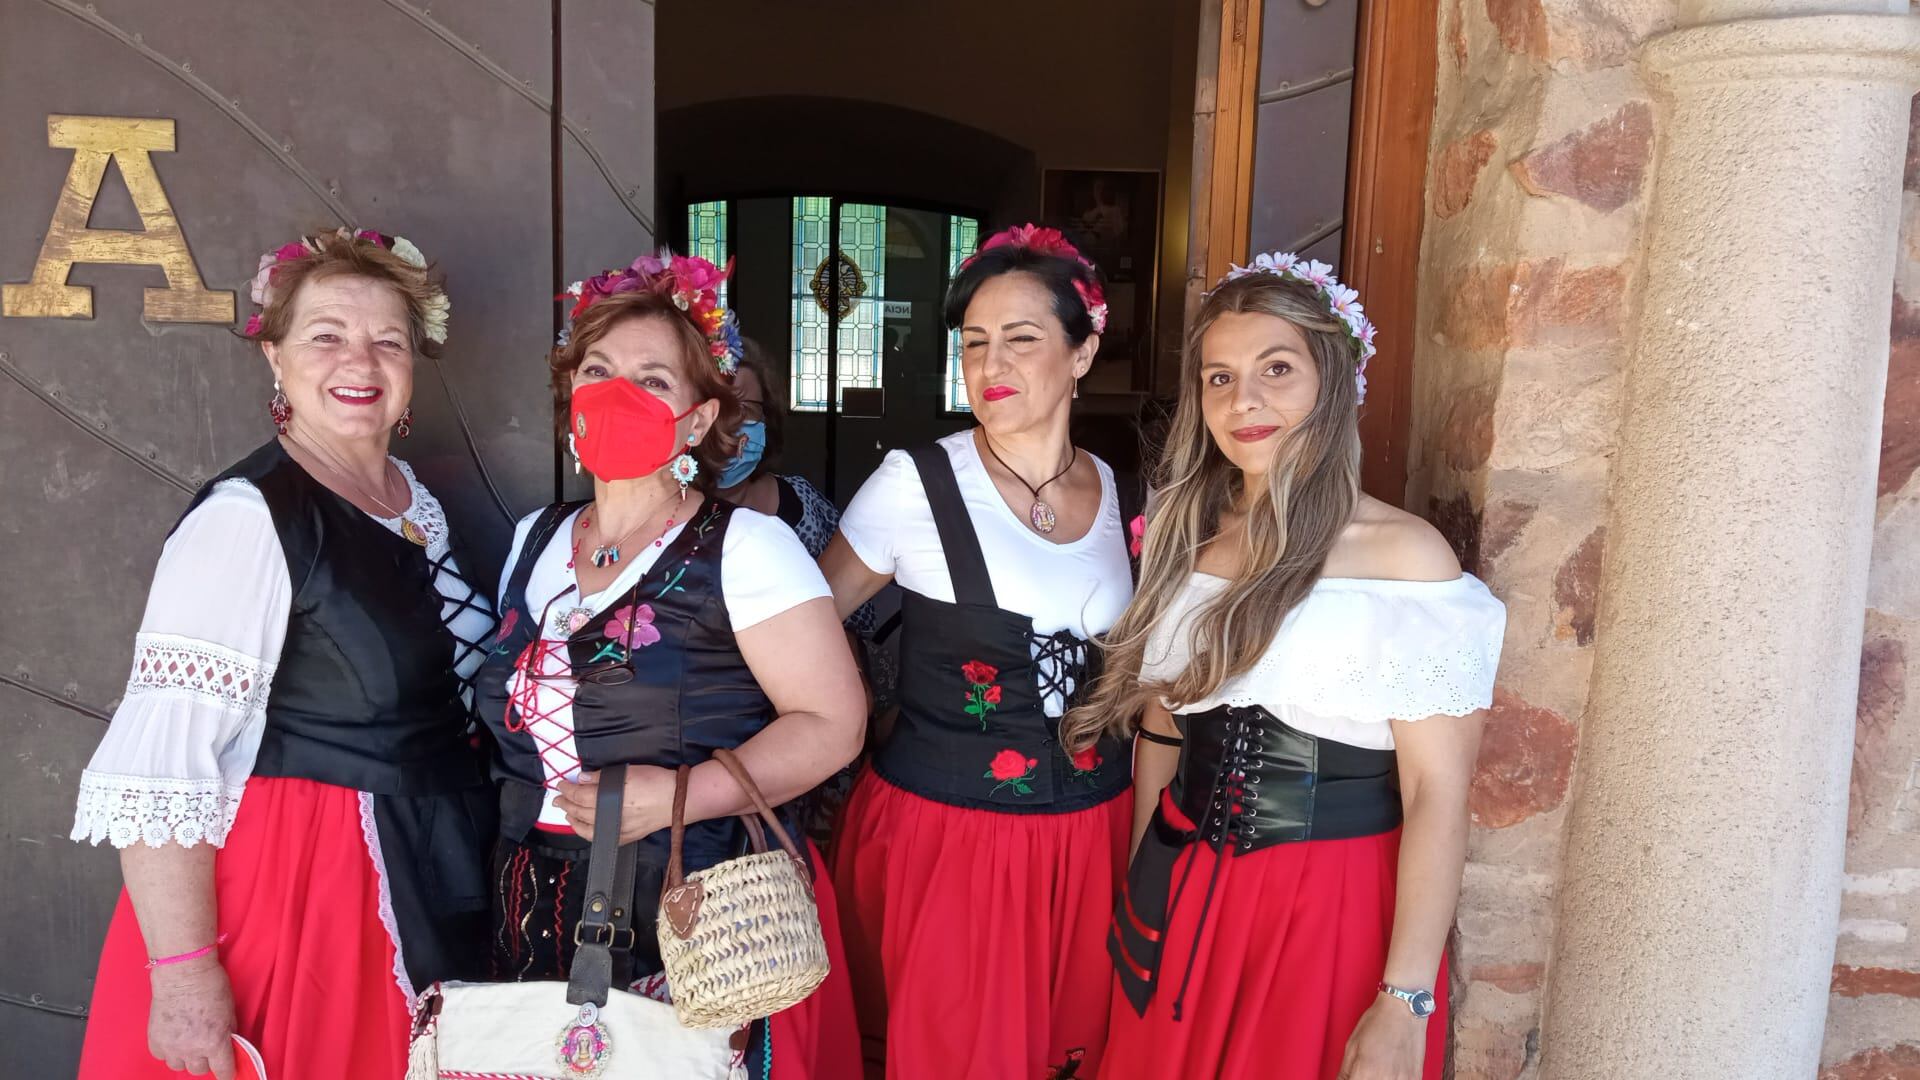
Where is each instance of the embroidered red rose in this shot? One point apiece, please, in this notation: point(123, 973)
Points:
point(1087, 760)
point(1010, 763)
point(983, 694)
point(1013, 769)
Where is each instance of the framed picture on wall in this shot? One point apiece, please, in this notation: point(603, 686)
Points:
point(1113, 217)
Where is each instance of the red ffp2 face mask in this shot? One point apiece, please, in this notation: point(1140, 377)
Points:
point(621, 432)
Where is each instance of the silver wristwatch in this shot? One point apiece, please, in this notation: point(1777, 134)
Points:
point(1420, 1001)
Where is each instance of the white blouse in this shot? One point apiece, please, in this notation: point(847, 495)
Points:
point(1355, 654)
point(1081, 586)
point(764, 570)
point(181, 745)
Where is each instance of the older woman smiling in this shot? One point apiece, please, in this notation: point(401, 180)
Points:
point(289, 777)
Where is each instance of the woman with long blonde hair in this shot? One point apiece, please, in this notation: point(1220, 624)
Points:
point(1304, 667)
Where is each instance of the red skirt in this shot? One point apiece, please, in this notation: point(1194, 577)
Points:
point(311, 963)
point(1289, 960)
point(819, 1039)
point(978, 939)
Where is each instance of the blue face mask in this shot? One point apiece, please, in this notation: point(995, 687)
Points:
point(753, 444)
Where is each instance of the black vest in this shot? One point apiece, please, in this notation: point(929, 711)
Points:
point(690, 691)
point(365, 695)
point(986, 742)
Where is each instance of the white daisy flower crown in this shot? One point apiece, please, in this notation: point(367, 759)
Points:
point(1342, 302)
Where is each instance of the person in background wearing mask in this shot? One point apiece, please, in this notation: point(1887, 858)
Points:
point(749, 479)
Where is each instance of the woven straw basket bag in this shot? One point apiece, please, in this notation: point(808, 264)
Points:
point(740, 940)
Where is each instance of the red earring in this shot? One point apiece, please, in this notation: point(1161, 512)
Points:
point(279, 409)
point(404, 426)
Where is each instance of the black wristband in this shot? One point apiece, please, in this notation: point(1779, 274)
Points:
point(1163, 740)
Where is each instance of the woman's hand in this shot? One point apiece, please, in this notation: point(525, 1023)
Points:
point(1389, 1043)
point(191, 1020)
point(646, 804)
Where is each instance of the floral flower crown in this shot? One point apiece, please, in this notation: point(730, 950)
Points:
point(691, 282)
point(1343, 302)
point(433, 316)
point(1045, 241)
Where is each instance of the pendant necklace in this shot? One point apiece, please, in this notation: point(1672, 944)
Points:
point(605, 555)
point(408, 527)
point(1041, 512)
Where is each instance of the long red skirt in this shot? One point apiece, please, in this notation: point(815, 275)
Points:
point(819, 1039)
point(978, 939)
point(1289, 960)
point(312, 965)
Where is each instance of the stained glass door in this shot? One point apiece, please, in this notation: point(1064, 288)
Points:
point(867, 322)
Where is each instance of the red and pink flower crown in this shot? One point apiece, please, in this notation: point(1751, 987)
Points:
point(433, 318)
point(1045, 241)
point(691, 282)
point(1343, 303)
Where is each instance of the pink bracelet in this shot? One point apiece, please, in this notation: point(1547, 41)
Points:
point(186, 956)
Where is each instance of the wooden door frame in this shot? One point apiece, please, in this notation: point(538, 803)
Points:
point(1396, 66)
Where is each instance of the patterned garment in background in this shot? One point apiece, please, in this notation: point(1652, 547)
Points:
point(813, 517)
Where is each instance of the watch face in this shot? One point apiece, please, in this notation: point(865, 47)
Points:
point(1422, 1003)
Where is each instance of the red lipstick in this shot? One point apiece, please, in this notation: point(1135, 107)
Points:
point(1254, 432)
point(996, 393)
point(356, 395)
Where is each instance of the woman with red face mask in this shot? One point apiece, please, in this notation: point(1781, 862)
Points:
point(648, 627)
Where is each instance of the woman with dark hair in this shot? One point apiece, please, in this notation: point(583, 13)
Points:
point(979, 859)
point(649, 627)
point(290, 778)
point(1305, 668)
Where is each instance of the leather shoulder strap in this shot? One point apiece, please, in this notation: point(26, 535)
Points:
point(604, 939)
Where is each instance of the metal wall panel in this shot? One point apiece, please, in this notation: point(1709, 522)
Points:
point(429, 122)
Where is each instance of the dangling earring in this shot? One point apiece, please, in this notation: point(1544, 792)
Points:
point(279, 409)
point(575, 451)
point(404, 426)
point(1076, 389)
point(685, 468)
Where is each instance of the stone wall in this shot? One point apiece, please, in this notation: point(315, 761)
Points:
point(1541, 142)
point(1873, 1026)
point(1542, 139)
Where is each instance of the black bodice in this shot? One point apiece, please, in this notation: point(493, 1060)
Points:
point(973, 730)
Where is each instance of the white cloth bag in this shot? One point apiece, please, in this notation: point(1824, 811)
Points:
point(527, 1031)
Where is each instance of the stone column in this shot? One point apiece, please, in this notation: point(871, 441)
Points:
point(1700, 895)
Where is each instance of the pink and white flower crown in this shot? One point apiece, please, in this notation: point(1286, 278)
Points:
point(433, 318)
point(1343, 302)
point(1046, 241)
point(691, 282)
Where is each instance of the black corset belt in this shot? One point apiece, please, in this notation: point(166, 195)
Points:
point(1246, 781)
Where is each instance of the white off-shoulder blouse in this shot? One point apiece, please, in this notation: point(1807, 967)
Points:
point(177, 755)
point(1355, 654)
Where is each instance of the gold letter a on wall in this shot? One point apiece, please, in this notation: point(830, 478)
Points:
point(128, 141)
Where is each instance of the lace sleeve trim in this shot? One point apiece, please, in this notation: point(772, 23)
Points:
point(153, 810)
point(215, 674)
